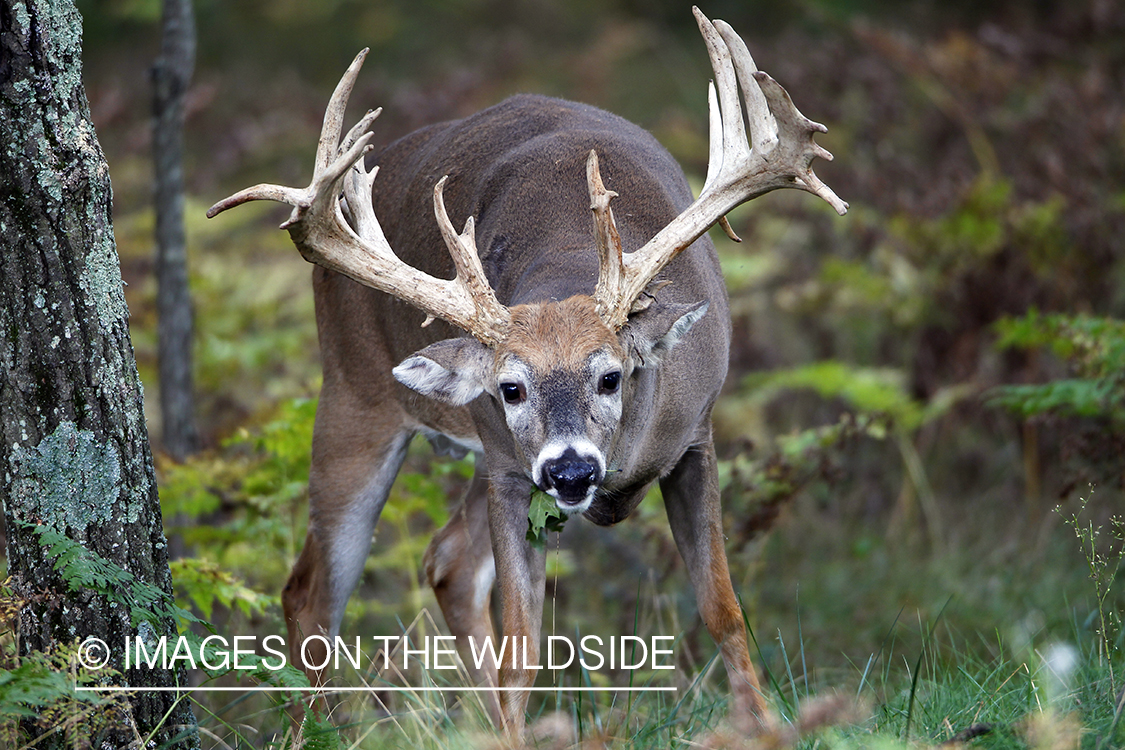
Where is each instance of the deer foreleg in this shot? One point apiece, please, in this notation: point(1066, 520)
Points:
point(691, 497)
point(521, 572)
point(348, 485)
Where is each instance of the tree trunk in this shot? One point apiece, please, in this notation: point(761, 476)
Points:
point(75, 449)
point(170, 76)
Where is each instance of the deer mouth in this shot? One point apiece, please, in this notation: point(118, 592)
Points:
point(570, 476)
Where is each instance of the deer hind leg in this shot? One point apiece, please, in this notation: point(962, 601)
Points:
point(460, 569)
point(691, 497)
point(354, 464)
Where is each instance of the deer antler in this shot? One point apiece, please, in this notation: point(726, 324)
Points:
point(359, 250)
point(780, 155)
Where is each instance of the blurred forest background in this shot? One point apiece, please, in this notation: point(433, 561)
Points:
point(914, 387)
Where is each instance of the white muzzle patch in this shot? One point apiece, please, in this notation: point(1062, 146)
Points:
point(570, 471)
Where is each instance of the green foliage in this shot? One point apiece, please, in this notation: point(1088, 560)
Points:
point(987, 219)
point(182, 491)
point(915, 270)
point(318, 733)
point(978, 227)
point(281, 474)
point(252, 494)
point(40, 680)
point(78, 566)
point(40, 687)
point(82, 569)
point(204, 584)
point(1094, 347)
point(759, 483)
point(879, 399)
point(255, 332)
point(48, 680)
point(1072, 397)
point(543, 517)
point(867, 390)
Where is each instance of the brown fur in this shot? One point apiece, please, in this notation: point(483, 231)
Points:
point(557, 335)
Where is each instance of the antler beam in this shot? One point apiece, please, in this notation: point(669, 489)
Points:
point(778, 154)
point(360, 250)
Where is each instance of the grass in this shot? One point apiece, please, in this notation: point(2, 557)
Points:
point(926, 684)
point(868, 639)
point(943, 694)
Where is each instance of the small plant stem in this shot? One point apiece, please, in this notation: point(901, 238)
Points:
point(917, 473)
point(1102, 743)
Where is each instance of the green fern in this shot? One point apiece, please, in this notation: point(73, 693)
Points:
point(79, 567)
point(264, 669)
point(83, 569)
point(319, 734)
point(1093, 347)
point(33, 684)
point(40, 688)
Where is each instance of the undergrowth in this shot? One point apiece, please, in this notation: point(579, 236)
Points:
point(928, 682)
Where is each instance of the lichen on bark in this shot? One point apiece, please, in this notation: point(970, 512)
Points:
point(67, 464)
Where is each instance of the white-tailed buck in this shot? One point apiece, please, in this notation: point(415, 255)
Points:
point(592, 341)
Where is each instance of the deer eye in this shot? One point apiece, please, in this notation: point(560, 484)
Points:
point(513, 393)
point(610, 382)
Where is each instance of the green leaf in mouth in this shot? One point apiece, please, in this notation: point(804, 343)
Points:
point(543, 516)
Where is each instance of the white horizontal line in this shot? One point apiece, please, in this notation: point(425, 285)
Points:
point(385, 689)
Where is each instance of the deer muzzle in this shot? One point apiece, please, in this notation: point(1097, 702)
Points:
point(571, 476)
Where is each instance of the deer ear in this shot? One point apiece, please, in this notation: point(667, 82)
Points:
point(651, 333)
point(453, 371)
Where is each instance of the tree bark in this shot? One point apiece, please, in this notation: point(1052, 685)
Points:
point(75, 453)
point(171, 76)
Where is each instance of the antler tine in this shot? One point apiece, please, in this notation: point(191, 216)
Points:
point(327, 148)
point(611, 273)
point(359, 129)
point(357, 190)
point(763, 126)
point(490, 319)
point(360, 251)
point(797, 145)
point(301, 199)
point(330, 163)
point(715, 152)
point(261, 192)
point(774, 120)
point(734, 133)
point(714, 138)
point(781, 156)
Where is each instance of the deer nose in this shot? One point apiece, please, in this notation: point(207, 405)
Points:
point(570, 476)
